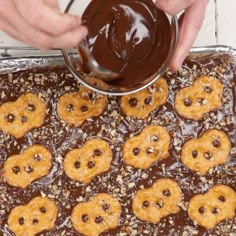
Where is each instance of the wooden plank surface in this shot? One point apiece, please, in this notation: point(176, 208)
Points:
point(220, 18)
point(226, 22)
point(207, 34)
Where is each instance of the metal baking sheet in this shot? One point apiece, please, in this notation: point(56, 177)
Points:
point(12, 63)
point(13, 59)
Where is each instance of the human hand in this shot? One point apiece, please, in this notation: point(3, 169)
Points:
point(190, 23)
point(39, 23)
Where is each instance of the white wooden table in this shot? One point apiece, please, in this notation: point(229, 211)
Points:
point(219, 26)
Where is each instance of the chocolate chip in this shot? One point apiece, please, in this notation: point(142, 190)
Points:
point(84, 108)
point(21, 221)
point(91, 164)
point(35, 221)
point(145, 204)
point(29, 169)
point(97, 152)
point(166, 192)
point(84, 218)
point(214, 210)
point(187, 102)
point(98, 219)
point(24, 119)
point(160, 204)
point(10, 118)
point(194, 154)
point(148, 100)
point(70, 107)
point(136, 151)
point(105, 207)
point(133, 102)
point(201, 210)
point(207, 155)
point(43, 210)
point(77, 165)
point(208, 89)
point(221, 198)
point(216, 143)
point(31, 107)
point(16, 170)
point(37, 157)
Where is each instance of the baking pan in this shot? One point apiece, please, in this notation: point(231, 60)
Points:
point(49, 77)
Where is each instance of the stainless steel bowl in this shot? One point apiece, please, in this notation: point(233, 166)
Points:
point(72, 58)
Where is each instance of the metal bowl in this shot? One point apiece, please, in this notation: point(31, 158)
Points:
point(72, 59)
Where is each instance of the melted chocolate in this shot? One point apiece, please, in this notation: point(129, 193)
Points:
point(132, 37)
point(121, 180)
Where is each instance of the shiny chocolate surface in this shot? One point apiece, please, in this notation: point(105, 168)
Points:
point(113, 126)
point(130, 37)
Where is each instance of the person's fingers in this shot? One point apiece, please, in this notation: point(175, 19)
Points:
point(52, 3)
point(191, 24)
point(180, 21)
point(39, 38)
point(46, 19)
point(11, 31)
point(66, 40)
point(43, 41)
point(174, 7)
point(6, 25)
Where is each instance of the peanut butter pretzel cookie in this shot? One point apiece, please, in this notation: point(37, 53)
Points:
point(28, 220)
point(75, 108)
point(209, 209)
point(160, 200)
point(85, 163)
point(96, 216)
point(202, 97)
point(140, 104)
point(34, 163)
point(98, 83)
point(203, 153)
point(22, 115)
point(151, 145)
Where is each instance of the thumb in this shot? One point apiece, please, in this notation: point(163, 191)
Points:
point(191, 24)
point(174, 7)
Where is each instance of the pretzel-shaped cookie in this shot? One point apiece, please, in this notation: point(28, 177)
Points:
point(140, 104)
point(216, 205)
point(26, 113)
point(97, 83)
point(203, 153)
point(96, 216)
point(75, 108)
point(151, 145)
point(160, 200)
point(34, 163)
point(200, 98)
point(85, 163)
point(38, 215)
